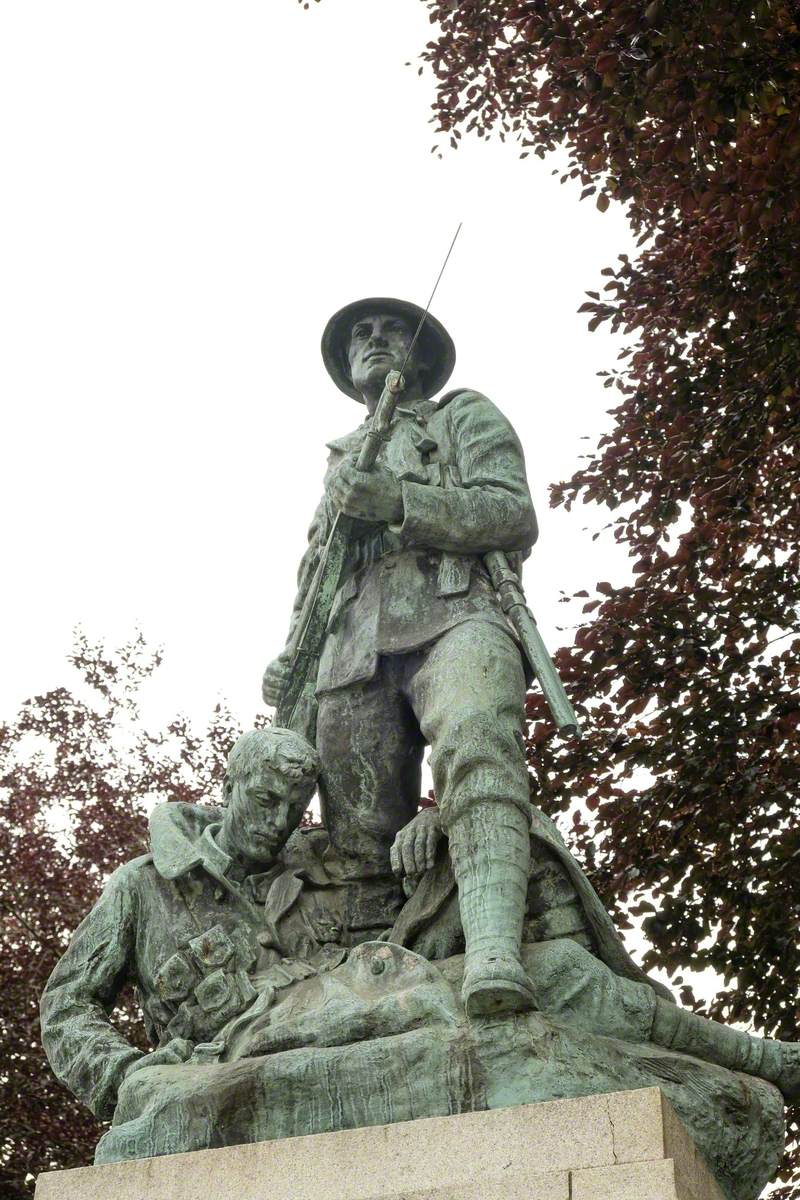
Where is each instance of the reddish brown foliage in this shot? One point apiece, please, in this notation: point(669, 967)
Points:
point(688, 113)
point(76, 775)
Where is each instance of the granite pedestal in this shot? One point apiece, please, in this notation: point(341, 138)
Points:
point(618, 1146)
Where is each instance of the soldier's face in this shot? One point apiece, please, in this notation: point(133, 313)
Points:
point(379, 343)
point(262, 812)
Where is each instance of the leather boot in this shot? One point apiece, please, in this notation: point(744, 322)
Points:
point(490, 853)
point(777, 1062)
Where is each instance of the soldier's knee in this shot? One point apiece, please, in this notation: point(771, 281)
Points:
point(561, 970)
point(469, 739)
point(475, 759)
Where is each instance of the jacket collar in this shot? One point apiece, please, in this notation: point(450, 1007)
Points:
point(420, 409)
point(177, 842)
point(182, 838)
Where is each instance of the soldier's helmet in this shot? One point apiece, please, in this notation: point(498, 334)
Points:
point(435, 346)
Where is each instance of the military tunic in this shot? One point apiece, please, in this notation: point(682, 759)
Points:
point(465, 492)
point(418, 649)
point(197, 941)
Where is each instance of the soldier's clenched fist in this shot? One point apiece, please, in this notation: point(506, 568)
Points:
point(374, 495)
point(276, 676)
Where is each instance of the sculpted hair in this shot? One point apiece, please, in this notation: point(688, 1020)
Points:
point(282, 749)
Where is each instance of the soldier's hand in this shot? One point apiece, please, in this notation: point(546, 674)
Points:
point(176, 1051)
point(374, 495)
point(414, 848)
point(275, 679)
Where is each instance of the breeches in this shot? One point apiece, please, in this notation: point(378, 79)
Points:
point(463, 695)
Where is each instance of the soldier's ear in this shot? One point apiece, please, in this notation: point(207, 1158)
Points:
point(422, 367)
point(227, 788)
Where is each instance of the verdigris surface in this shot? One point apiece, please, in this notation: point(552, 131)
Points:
point(418, 650)
point(390, 965)
point(443, 1063)
point(270, 1016)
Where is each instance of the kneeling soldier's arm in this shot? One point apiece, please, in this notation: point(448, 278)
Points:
point(86, 1052)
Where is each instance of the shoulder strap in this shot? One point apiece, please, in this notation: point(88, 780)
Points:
point(448, 396)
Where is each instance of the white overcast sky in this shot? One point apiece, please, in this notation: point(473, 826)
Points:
point(189, 189)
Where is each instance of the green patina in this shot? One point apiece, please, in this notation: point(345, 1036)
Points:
point(460, 955)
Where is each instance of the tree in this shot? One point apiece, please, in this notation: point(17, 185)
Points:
point(77, 775)
point(684, 792)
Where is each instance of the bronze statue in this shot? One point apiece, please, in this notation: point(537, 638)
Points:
point(418, 650)
point(394, 963)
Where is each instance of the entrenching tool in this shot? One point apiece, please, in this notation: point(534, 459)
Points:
point(506, 583)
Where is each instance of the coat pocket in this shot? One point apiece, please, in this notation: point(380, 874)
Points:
point(212, 948)
point(175, 978)
point(455, 575)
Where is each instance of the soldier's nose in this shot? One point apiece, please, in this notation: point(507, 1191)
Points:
point(281, 814)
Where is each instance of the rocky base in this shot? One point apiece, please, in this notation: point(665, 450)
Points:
point(383, 1040)
point(736, 1121)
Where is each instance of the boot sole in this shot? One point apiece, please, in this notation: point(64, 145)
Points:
point(498, 996)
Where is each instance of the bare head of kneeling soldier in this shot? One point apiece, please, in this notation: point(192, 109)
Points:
point(270, 779)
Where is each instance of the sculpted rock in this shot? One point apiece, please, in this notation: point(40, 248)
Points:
point(418, 1056)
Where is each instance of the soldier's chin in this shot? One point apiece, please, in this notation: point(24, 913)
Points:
point(264, 846)
point(380, 368)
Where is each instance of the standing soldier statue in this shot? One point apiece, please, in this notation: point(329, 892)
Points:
point(414, 645)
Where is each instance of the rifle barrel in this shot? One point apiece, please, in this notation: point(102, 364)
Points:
point(296, 702)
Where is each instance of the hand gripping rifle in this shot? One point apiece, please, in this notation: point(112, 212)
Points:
point(296, 708)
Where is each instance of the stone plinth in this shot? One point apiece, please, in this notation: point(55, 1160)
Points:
point(618, 1146)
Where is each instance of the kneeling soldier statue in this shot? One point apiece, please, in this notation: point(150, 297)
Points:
point(196, 924)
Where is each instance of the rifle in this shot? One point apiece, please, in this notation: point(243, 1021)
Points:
point(506, 583)
point(296, 708)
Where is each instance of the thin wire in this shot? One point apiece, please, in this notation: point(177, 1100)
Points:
point(430, 300)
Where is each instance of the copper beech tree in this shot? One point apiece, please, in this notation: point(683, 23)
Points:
point(688, 114)
point(77, 774)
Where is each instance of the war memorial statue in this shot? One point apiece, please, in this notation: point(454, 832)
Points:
point(458, 955)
